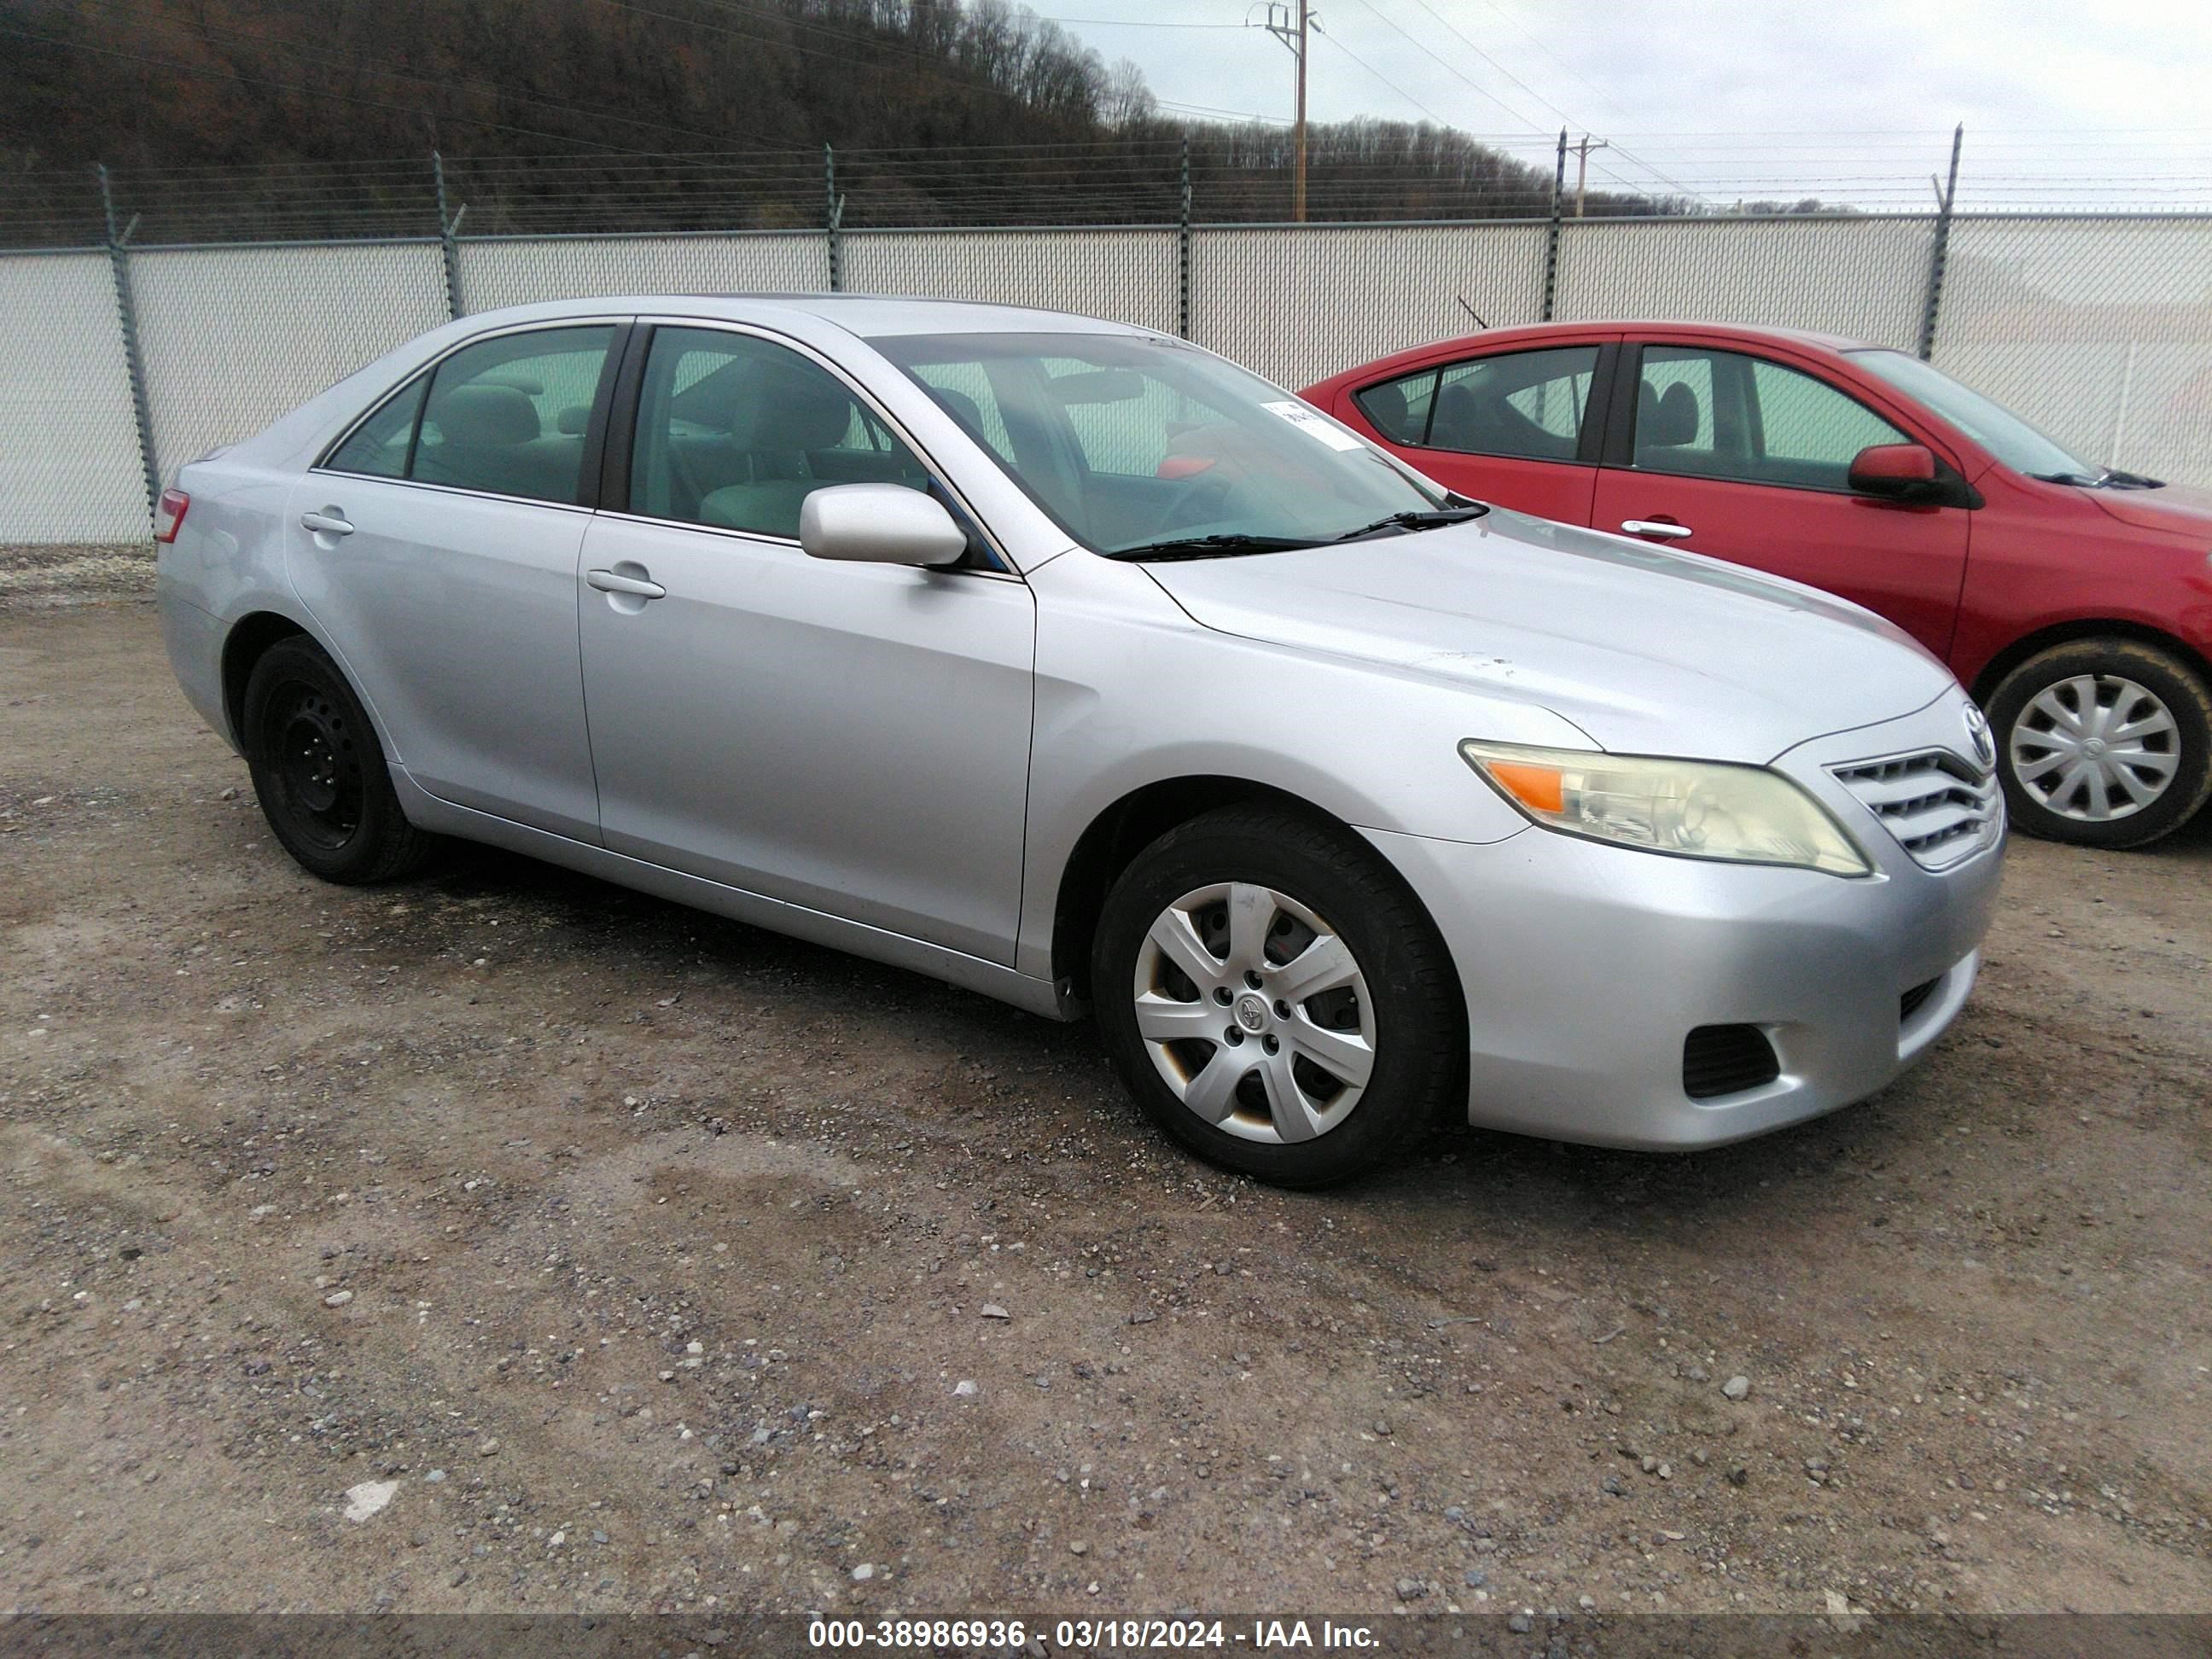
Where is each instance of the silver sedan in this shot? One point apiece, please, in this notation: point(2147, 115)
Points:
point(1071, 664)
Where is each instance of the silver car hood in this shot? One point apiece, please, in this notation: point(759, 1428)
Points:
point(1647, 650)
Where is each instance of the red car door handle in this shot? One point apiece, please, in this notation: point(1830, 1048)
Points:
point(1663, 530)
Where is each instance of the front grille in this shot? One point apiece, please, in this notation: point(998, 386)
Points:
point(1938, 807)
point(1909, 1003)
point(1726, 1060)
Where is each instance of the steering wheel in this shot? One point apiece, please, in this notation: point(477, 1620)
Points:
point(1204, 498)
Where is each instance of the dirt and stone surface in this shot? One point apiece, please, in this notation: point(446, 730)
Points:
point(505, 1241)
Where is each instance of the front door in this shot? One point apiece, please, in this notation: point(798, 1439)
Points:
point(1745, 458)
point(850, 738)
point(436, 549)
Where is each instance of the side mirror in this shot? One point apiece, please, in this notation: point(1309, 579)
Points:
point(1896, 472)
point(879, 524)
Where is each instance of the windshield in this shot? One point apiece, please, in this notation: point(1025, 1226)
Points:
point(1133, 443)
point(1994, 426)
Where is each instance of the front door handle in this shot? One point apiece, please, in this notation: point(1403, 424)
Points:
point(328, 522)
point(610, 581)
point(1663, 530)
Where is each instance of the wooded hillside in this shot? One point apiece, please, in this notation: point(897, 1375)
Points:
point(626, 114)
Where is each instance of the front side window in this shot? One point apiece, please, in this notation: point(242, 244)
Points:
point(1725, 415)
point(1130, 440)
point(736, 432)
point(508, 415)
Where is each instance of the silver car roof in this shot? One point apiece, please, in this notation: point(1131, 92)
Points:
point(868, 316)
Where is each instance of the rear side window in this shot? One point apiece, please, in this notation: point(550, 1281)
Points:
point(1526, 404)
point(1398, 409)
point(508, 415)
point(378, 447)
point(736, 432)
point(1529, 404)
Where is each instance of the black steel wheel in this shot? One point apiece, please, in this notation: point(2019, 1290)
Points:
point(321, 772)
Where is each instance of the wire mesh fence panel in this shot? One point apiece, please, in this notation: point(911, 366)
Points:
point(1129, 276)
point(514, 272)
point(70, 468)
point(1294, 303)
point(234, 336)
point(1866, 278)
point(2096, 329)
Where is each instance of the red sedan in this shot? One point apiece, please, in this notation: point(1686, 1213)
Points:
point(2075, 601)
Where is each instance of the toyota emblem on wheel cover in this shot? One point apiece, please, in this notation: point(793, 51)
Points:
point(1978, 733)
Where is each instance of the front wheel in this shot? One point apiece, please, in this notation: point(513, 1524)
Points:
point(1274, 999)
point(2103, 743)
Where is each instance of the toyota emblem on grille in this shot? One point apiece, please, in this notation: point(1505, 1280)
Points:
point(1978, 733)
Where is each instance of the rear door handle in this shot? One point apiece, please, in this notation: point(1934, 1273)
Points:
point(608, 581)
point(1664, 529)
point(328, 522)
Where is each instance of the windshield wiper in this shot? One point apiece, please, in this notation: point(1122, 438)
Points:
point(2116, 479)
point(1433, 518)
point(2082, 480)
point(1226, 544)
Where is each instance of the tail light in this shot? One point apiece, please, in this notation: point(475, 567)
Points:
point(169, 516)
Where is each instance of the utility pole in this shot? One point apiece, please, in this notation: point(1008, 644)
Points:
point(1581, 166)
point(1293, 34)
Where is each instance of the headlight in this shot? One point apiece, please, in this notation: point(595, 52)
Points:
point(1695, 809)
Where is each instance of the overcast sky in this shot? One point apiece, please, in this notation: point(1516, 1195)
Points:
point(2065, 104)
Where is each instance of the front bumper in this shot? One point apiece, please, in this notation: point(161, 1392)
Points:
point(1585, 967)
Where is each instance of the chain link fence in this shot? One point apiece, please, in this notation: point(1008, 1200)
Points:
point(68, 440)
point(2098, 328)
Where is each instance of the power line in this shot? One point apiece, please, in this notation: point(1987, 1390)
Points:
point(1384, 78)
point(1477, 87)
point(1494, 64)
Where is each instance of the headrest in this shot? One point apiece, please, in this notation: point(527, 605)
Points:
point(961, 407)
point(484, 413)
point(574, 420)
point(1456, 418)
point(1665, 419)
point(794, 409)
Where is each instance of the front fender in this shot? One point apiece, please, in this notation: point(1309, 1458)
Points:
point(1131, 692)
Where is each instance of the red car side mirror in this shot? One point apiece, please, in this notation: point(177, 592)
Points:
point(1898, 472)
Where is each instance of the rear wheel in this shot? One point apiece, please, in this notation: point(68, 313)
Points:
point(1274, 999)
point(320, 773)
point(2103, 743)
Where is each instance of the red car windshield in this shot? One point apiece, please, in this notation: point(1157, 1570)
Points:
point(1989, 424)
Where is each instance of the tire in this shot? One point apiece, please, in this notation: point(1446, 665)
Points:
point(2129, 795)
point(320, 773)
point(1314, 884)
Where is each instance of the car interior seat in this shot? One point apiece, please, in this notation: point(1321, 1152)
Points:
point(1667, 419)
point(488, 438)
point(1486, 424)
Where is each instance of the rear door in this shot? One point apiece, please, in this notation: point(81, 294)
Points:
point(436, 547)
point(1519, 428)
point(1745, 457)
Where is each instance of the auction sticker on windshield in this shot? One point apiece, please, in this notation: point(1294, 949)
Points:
point(1313, 425)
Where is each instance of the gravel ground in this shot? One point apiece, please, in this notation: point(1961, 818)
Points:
point(52, 576)
point(505, 1241)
